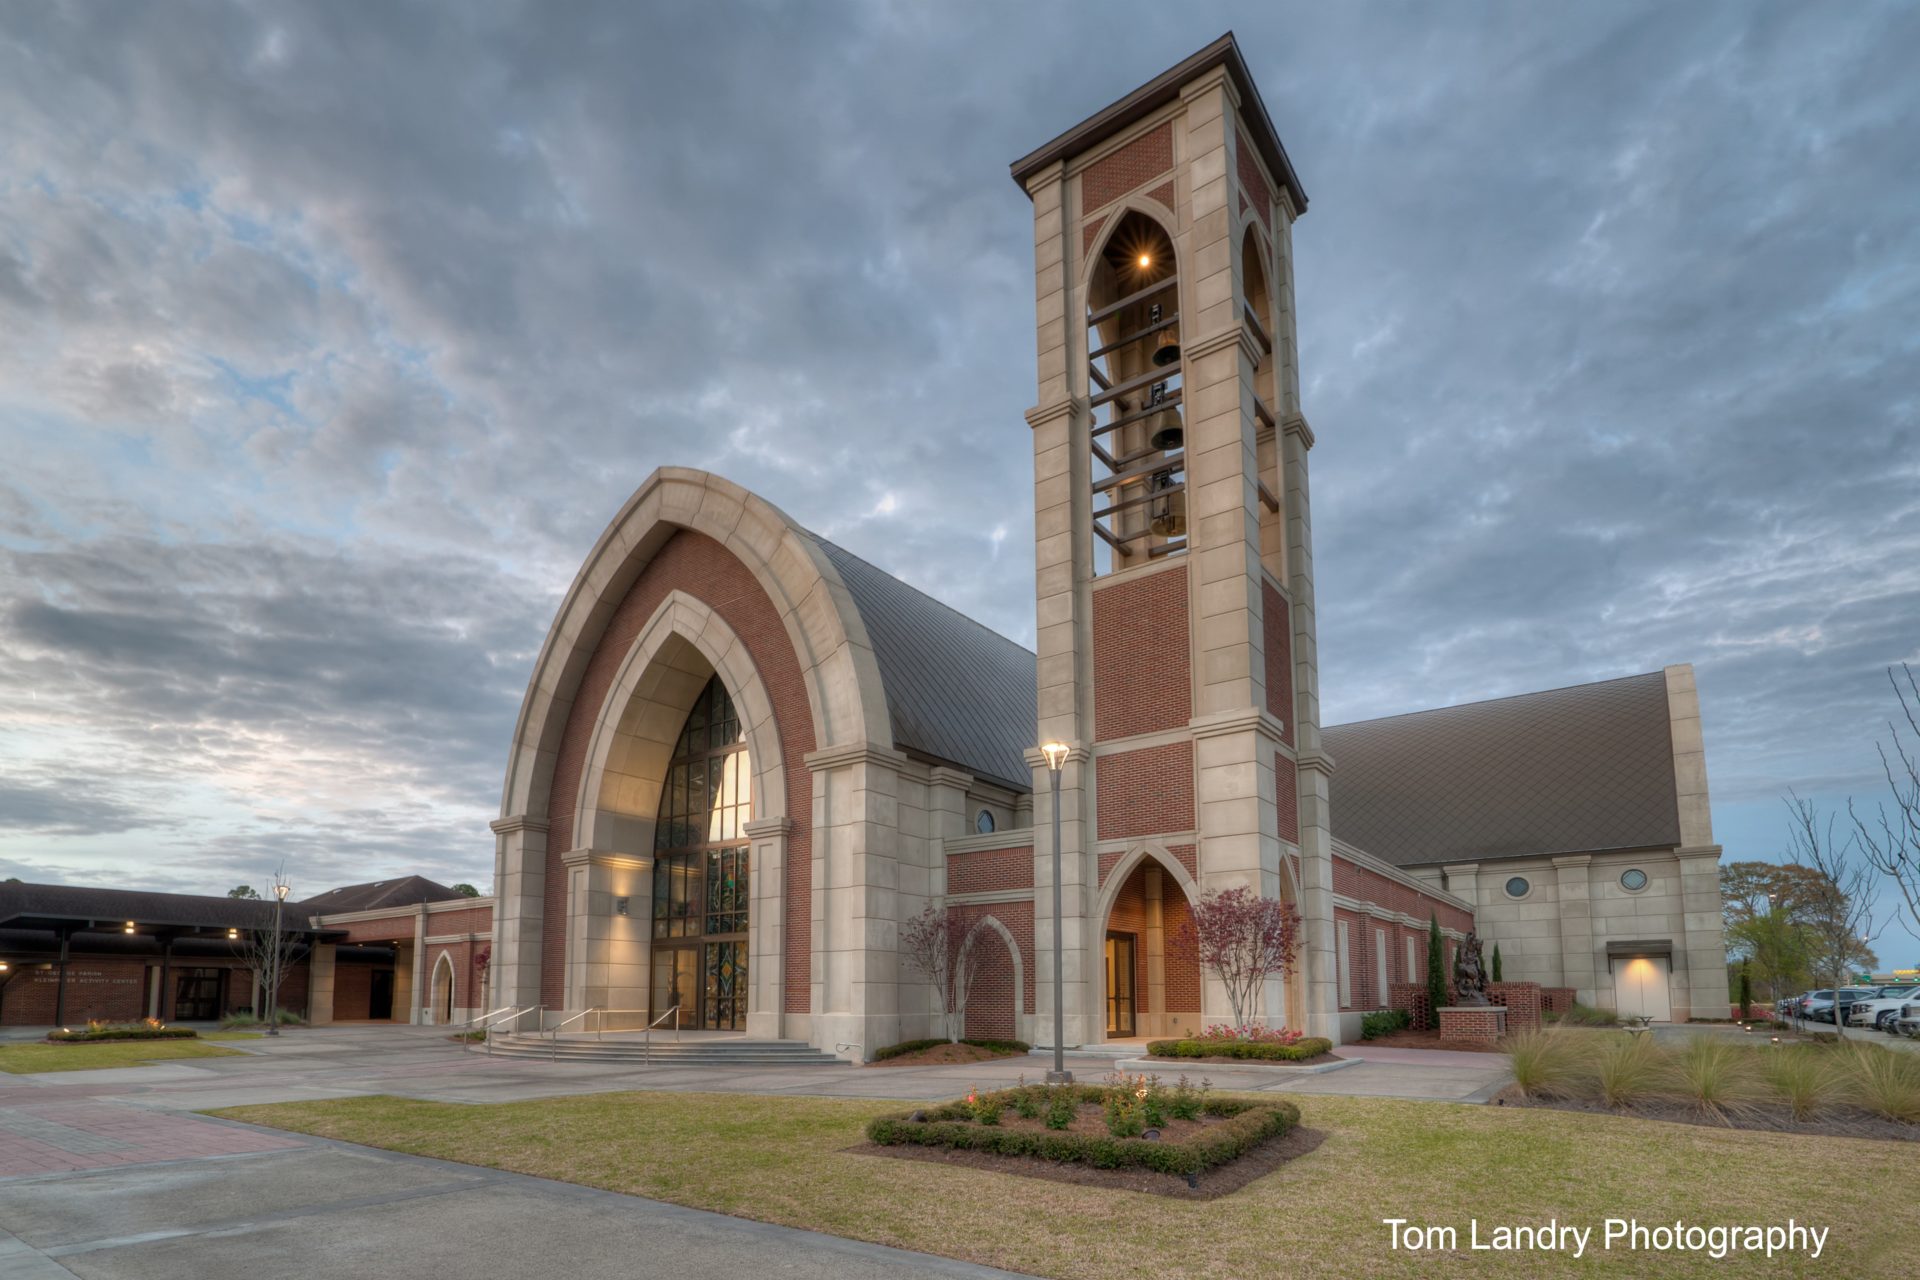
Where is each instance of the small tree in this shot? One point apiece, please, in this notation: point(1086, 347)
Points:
point(1840, 914)
point(944, 952)
point(266, 953)
point(466, 890)
point(1436, 972)
point(1244, 939)
point(1496, 963)
point(243, 891)
point(1746, 990)
point(1892, 842)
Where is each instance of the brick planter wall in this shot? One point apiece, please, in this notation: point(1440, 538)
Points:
point(1412, 996)
point(1556, 999)
point(1482, 1024)
point(1522, 1001)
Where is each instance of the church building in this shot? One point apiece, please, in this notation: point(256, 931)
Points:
point(747, 756)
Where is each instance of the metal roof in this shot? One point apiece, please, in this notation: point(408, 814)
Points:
point(1572, 770)
point(406, 891)
point(957, 691)
point(22, 903)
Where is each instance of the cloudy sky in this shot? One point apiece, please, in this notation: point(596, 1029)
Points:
point(332, 335)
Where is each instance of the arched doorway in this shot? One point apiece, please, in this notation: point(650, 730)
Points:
point(443, 990)
point(700, 871)
point(1150, 986)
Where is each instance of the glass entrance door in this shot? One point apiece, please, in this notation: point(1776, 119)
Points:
point(196, 995)
point(1120, 959)
point(676, 983)
point(724, 1003)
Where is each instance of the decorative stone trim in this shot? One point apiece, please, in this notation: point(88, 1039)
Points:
point(852, 753)
point(1011, 838)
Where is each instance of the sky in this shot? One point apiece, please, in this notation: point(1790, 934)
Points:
point(334, 335)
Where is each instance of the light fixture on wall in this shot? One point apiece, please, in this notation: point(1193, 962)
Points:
point(129, 927)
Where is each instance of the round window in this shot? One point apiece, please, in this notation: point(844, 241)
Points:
point(1517, 887)
point(983, 822)
point(1633, 881)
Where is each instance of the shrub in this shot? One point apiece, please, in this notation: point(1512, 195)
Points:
point(1584, 1015)
point(1802, 1076)
point(986, 1108)
point(1253, 1050)
point(1496, 963)
point(1028, 1100)
point(1061, 1104)
point(1253, 1034)
point(283, 1017)
point(1714, 1073)
point(1187, 1102)
point(1626, 1069)
point(1883, 1081)
point(915, 1046)
point(1244, 1123)
point(143, 1029)
point(1437, 997)
point(1383, 1023)
point(1544, 1063)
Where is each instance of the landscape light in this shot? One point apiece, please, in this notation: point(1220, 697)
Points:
point(1146, 260)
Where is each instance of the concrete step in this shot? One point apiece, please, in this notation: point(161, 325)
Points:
point(717, 1053)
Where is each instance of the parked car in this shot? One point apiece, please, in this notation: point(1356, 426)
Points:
point(1818, 1006)
point(1879, 1010)
point(1907, 1021)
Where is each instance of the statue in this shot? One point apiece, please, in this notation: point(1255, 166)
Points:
point(1469, 977)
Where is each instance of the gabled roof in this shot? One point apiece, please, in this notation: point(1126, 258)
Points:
point(406, 891)
point(1571, 770)
point(957, 691)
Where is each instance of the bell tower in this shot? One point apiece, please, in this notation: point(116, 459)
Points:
point(1174, 556)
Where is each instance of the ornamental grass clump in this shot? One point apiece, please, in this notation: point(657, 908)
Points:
point(1544, 1063)
point(1804, 1077)
point(1625, 1069)
point(1883, 1081)
point(1715, 1074)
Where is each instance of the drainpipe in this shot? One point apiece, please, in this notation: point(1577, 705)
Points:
point(60, 983)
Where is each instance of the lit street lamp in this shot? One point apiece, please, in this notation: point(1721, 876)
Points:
point(273, 964)
point(1056, 754)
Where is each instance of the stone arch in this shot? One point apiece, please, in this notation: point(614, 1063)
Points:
point(1153, 997)
point(441, 989)
point(994, 1005)
point(840, 674)
point(1139, 202)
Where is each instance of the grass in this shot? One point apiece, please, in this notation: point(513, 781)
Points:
point(1625, 1068)
point(785, 1160)
point(1545, 1064)
point(1804, 1077)
point(24, 1059)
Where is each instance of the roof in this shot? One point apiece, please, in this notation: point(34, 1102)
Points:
point(957, 691)
point(1157, 93)
point(406, 891)
point(1572, 770)
point(37, 902)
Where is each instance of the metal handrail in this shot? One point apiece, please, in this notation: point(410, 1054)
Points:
point(553, 1032)
point(600, 1026)
point(474, 1024)
point(537, 1009)
point(674, 1013)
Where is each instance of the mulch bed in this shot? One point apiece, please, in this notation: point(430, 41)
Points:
point(1314, 1061)
point(1431, 1040)
point(942, 1055)
point(1213, 1184)
point(1834, 1122)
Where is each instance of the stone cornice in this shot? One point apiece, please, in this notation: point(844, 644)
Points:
point(1257, 719)
point(990, 842)
point(990, 895)
point(1077, 753)
point(847, 754)
point(941, 775)
point(1239, 336)
point(761, 828)
point(1041, 414)
point(1318, 761)
point(606, 858)
point(1296, 425)
point(518, 822)
point(1704, 851)
point(1573, 860)
point(1374, 911)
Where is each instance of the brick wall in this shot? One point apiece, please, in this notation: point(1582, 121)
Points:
point(1286, 797)
point(1557, 999)
point(1134, 165)
point(1484, 1025)
point(1182, 968)
point(353, 990)
point(990, 870)
point(701, 567)
point(1018, 919)
point(1252, 181)
point(1412, 996)
point(990, 1008)
point(1145, 792)
point(464, 920)
point(1522, 1001)
point(1183, 853)
point(1354, 881)
point(396, 928)
point(1142, 680)
point(464, 975)
point(1276, 627)
point(112, 989)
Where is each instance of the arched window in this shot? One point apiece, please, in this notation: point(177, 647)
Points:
point(700, 869)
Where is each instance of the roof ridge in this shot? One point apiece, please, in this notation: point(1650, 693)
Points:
point(931, 599)
point(1483, 702)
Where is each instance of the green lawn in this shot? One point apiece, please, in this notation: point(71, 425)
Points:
point(784, 1160)
point(24, 1059)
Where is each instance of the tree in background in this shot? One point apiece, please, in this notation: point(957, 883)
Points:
point(243, 891)
point(1891, 842)
point(1496, 963)
point(1768, 908)
point(1436, 972)
point(1837, 922)
point(1746, 990)
point(1245, 940)
point(945, 953)
point(466, 890)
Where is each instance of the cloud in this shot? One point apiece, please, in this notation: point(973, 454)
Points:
point(336, 333)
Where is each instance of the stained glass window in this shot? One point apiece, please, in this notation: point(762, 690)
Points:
point(700, 880)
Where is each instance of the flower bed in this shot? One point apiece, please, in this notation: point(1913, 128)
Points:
point(1194, 1129)
point(999, 1047)
point(1298, 1048)
point(145, 1029)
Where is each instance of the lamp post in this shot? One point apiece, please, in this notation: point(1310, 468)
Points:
point(273, 963)
point(1056, 754)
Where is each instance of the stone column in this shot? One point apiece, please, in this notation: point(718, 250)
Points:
point(519, 877)
point(1578, 963)
point(1316, 898)
point(1153, 941)
point(766, 928)
point(405, 964)
point(1081, 940)
point(320, 985)
point(416, 1001)
point(1704, 944)
point(856, 878)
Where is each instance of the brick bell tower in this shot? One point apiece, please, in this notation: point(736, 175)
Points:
point(1174, 554)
